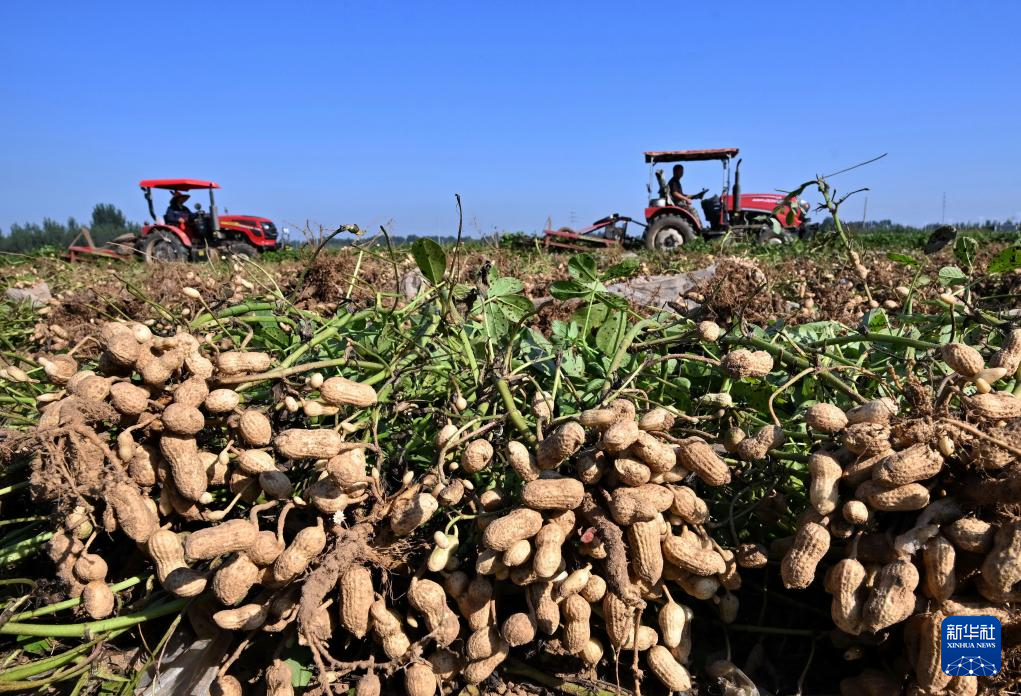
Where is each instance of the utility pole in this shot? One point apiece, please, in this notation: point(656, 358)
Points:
point(943, 216)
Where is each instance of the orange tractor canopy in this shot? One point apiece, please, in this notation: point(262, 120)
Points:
point(183, 234)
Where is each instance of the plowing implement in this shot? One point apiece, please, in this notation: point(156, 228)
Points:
point(607, 232)
point(123, 247)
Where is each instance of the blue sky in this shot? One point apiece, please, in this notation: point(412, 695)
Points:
point(377, 113)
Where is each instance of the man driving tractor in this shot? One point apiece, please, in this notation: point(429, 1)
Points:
point(177, 211)
point(677, 193)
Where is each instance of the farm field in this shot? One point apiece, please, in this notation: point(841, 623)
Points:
point(476, 470)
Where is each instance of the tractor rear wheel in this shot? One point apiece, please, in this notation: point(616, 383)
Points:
point(668, 232)
point(163, 247)
point(241, 250)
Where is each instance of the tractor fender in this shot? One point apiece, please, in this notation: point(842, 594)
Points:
point(170, 229)
point(652, 213)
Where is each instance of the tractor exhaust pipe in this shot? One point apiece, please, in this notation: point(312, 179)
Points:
point(737, 187)
point(214, 219)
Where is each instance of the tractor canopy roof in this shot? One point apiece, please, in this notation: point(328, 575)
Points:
point(178, 184)
point(723, 153)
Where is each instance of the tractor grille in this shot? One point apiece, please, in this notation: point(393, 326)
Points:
point(270, 230)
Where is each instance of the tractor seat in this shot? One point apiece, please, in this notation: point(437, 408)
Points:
point(712, 208)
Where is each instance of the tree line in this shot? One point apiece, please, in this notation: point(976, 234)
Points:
point(106, 223)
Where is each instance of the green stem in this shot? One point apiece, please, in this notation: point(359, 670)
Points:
point(91, 628)
point(513, 413)
point(45, 665)
point(71, 603)
point(34, 684)
point(23, 549)
point(13, 487)
point(875, 338)
point(208, 318)
point(789, 359)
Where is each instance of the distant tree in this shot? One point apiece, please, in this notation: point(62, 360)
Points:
point(107, 222)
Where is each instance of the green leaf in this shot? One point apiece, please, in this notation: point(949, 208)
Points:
point(515, 306)
point(462, 290)
point(596, 314)
point(1007, 260)
point(583, 268)
point(965, 249)
point(431, 259)
point(505, 286)
point(612, 333)
point(496, 323)
point(625, 269)
point(563, 332)
point(611, 300)
point(875, 321)
point(572, 364)
point(903, 258)
point(568, 289)
point(952, 275)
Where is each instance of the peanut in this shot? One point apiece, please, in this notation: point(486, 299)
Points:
point(307, 544)
point(235, 362)
point(745, 363)
point(892, 599)
point(476, 456)
point(576, 614)
point(98, 600)
point(962, 359)
point(523, 523)
point(646, 550)
point(408, 514)
point(826, 473)
point(916, 463)
point(561, 444)
point(340, 391)
point(355, 600)
point(553, 493)
point(826, 418)
point(221, 401)
point(308, 444)
point(224, 538)
point(811, 543)
point(522, 461)
point(667, 669)
point(234, 579)
point(166, 551)
point(255, 428)
point(846, 582)
point(419, 679)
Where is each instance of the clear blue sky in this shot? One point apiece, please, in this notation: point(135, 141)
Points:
point(379, 112)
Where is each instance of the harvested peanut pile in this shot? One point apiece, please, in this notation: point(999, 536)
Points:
point(583, 549)
point(431, 496)
point(913, 517)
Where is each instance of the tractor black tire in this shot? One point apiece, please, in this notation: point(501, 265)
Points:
point(767, 235)
point(241, 250)
point(669, 232)
point(163, 247)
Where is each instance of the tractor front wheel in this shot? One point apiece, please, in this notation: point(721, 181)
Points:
point(668, 232)
point(241, 250)
point(163, 247)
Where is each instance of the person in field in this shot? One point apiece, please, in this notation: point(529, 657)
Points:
point(677, 191)
point(177, 211)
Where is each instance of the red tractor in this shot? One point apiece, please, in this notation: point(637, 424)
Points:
point(199, 234)
point(764, 217)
